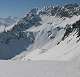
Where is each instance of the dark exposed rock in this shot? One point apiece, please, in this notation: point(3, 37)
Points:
point(71, 28)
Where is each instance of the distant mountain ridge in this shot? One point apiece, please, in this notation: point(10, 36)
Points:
point(67, 10)
point(7, 22)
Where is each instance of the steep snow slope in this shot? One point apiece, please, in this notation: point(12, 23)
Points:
point(66, 50)
point(48, 44)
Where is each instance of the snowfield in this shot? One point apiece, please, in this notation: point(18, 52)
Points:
point(40, 69)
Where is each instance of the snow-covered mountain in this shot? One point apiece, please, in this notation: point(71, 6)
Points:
point(6, 23)
point(53, 42)
point(52, 33)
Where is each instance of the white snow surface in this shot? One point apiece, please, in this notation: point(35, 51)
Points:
point(40, 68)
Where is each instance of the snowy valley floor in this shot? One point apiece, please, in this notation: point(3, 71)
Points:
point(40, 69)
